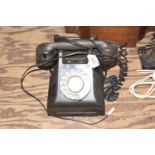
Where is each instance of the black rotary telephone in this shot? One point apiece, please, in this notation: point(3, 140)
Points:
point(79, 69)
point(147, 54)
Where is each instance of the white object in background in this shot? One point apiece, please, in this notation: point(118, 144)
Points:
point(144, 82)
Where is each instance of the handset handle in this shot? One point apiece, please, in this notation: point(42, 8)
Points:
point(48, 51)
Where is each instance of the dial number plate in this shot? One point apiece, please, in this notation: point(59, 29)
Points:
point(75, 84)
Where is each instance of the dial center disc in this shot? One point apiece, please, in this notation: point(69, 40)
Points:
point(75, 83)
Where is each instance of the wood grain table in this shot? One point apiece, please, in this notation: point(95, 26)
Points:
point(17, 110)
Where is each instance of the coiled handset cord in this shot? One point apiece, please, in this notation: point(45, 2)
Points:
point(115, 83)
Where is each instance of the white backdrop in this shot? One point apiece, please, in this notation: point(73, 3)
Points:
point(77, 12)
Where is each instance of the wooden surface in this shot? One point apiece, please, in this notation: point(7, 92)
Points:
point(17, 110)
point(118, 34)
